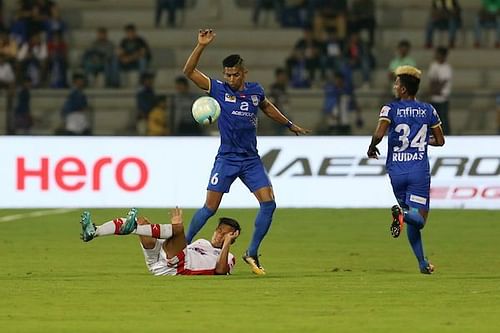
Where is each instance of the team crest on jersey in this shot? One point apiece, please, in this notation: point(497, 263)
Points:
point(385, 111)
point(255, 100)
point(229, 98)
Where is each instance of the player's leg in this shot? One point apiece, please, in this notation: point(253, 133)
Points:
point(255, 177)
point(399, 184)
point(117, 226)
point(417, 199)
point(221, 177)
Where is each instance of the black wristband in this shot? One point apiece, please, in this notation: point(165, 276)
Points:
point(289, 124)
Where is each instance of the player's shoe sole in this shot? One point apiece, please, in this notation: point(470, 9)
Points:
point(88, 228)
point(254, 264)
point(397, 221)
point(130, 222)
point(427, 269)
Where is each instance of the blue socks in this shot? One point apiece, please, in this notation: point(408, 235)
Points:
point(262, 224)
point(415, 222)
point(412, 217)
point(197, 222)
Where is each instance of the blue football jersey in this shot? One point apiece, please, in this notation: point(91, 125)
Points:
point(238, 118)
point(408, 136)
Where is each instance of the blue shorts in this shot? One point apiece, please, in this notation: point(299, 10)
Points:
point(251, 171)
point(412, 189)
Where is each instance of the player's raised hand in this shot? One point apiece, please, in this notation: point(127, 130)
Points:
point(176, 216)
point(299, 130)
point(231, 236)
point(205, 36)
point(373, 152)
point(142, 220)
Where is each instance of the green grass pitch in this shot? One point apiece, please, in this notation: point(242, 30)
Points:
point(329, 270)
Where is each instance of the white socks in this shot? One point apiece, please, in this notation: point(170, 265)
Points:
point(162, 231)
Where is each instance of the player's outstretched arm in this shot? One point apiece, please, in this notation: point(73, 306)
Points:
point(380, 131)
point(205, 37)
point(222, 266)
point(272, 112)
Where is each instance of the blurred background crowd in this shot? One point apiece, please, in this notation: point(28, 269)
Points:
point(110, 67)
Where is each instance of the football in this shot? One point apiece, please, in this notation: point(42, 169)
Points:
point(205, 110)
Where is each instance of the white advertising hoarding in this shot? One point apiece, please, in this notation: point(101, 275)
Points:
point(164, 172)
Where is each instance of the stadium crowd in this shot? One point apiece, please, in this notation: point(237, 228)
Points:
point(338, 41)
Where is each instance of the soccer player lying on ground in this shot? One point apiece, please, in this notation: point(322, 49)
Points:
point(407, 121)
point(237, 156)
point(164, 245)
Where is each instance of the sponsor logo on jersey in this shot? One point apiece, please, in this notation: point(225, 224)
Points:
point(255, 100)
point(411, 112)
point(418, 199)
point(229, 98)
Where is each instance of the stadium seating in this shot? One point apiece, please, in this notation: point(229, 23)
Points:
point(264, 48)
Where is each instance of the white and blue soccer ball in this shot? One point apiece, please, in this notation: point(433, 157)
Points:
point(205, 110)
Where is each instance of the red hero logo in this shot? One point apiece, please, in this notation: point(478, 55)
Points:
point(72, 174)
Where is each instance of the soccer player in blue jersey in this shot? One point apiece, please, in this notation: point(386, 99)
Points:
point(411, 126)
point(237, 156)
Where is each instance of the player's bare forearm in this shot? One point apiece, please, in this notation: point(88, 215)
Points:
point(272, 112)
point(222, 267)
point(377, 137)
point(437, 137)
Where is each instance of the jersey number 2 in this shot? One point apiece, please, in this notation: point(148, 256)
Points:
point(419, 141)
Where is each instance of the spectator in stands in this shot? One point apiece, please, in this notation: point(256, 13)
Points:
point(145, 99)
point(45, 8)
point(75, 111)
point(54, 24)
point(267, 5)
point(333, 52)
point(358, 55)
point(488, 18)
point(361, 16)
point(134, 52)
point(100, 57)
point(19, 28)
point(297, 70)
point(23, 121)
point(7, 77)
point(293, 13)
point(339, 102)
point(440, 75)
point(171, 6)
point(445, 15)
point(57, 61)
point(183, 99)
point(330, 14)
point(278, 95)
point(32, 57)
point(158, 120)
point(8, 47)
point(402, 58)
point(311, 49)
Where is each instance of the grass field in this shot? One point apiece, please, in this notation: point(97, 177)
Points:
point(329, 270)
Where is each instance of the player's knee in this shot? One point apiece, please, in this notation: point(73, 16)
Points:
point(268, 206)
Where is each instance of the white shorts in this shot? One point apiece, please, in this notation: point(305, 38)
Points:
point(157, 262)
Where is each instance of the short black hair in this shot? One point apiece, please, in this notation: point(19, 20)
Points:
point(404, 43)
point(410, 82)
point(442, 51)
point(181, 80)
point(230, 222)
point(130, 26)
point(233, 60)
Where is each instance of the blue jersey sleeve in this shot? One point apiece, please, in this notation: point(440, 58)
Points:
point(435, 120)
